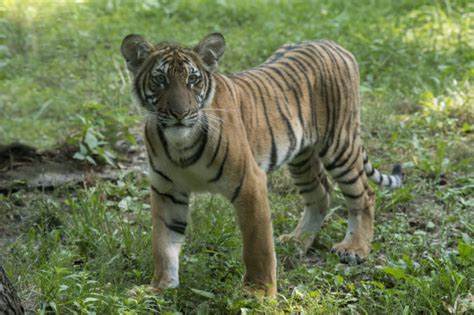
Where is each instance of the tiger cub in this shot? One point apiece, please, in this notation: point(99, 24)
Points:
point(206, 131)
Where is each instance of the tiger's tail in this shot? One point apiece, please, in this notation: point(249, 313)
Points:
point(389, 181)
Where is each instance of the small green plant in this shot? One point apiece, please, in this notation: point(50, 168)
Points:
point(93, 146)
point(98, 127)
point(433, 164)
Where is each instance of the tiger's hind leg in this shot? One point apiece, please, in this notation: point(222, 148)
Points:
point(312, 183)
point(348, 172)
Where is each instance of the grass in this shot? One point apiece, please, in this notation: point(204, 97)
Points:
point(81, 249)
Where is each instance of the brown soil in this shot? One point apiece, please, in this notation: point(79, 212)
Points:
point(27, 174)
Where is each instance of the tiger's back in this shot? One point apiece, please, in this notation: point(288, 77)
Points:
point(304, 94)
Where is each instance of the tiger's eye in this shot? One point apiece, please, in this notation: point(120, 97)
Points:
point(192, 79)
point(160, 79)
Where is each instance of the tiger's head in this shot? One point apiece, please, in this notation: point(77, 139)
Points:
point(172, 82)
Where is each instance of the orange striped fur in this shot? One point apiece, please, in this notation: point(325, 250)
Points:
point(207, 131)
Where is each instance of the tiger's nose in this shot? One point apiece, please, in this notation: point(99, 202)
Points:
point(180, 113)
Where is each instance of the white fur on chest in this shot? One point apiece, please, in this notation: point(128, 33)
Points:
point(194, 178)
point(172, 156)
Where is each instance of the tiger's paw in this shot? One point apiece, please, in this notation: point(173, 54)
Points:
point(351, 252)
point(259, 291)
point(156, 287)
point(159, 285)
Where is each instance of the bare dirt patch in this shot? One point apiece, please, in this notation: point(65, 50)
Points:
point(26, 174)
point(24, 167)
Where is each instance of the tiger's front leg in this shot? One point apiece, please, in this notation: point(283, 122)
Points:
point(253, 214)
point(169, 218)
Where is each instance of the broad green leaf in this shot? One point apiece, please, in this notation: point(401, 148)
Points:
point(397, 273)
point(203, 293)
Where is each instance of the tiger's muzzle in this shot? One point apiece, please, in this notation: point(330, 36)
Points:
point(178, 119)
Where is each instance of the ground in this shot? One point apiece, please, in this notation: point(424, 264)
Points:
point(81, 248)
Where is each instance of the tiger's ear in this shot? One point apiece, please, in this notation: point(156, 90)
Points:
point(135, 49)
point(211, 48)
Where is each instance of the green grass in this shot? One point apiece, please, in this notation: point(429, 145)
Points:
point(62, 79)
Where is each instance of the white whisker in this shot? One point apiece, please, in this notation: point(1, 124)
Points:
point(219, 110)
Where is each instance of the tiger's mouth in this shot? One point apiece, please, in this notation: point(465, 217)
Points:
point(179, 125)
point(169, 122)
point(179, 132)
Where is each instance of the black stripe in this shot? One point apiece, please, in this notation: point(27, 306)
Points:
point(316, 63)
point(323, 75)
point(242, 113)
point(170, 197)
point(337, 82)
point(349, 167)
point(209, 87)
point(309, 182)
point(273, 150)
point(188, 161)
point(229, 88)
point(310, 189)
point(176, 226)
point(295, 88)
point(221, 168)
point(344, 55)
point(379, 180)
point(214, 155)
point(268, 73)
point(331, 126)
point(304, 71)
point(366, 158)
point(341, 50)
point(389, 181)
point(165, 145)
point(280, 53)
point(300, 113)
point(271, 80)
point(181, 223)
point(147, 138)
point(239, 78)
point(192, 145)
point(348, 78)
point(353, 196)
point(290, 132)
point(139, 84)
point(352, 180)
point(157, 171)
point(369, 174)
point(236, 193)
point(397, 171)
point(325, 100)
point(299, 164)
point(301, 171)
point(334, 164)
